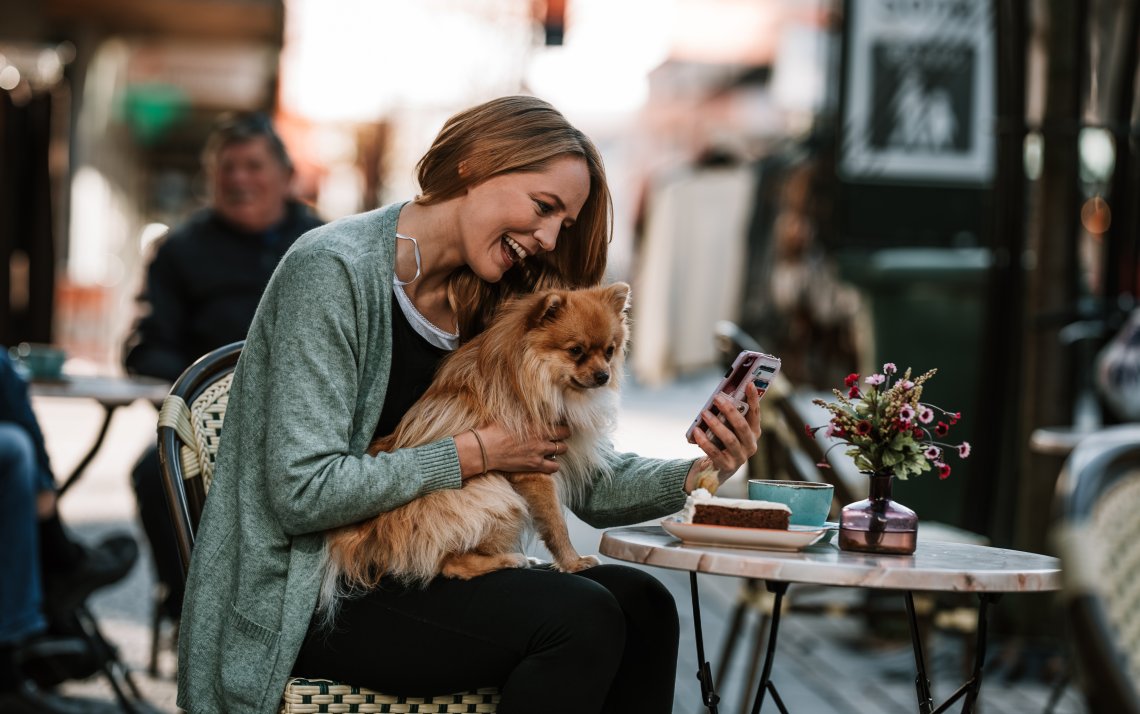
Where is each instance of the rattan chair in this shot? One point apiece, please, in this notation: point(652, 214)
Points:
point(1097, 534)
point(189, 428)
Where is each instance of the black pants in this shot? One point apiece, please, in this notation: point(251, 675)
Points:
point(155, 516)
point(603, 640)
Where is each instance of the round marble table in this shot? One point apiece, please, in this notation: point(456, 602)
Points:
point(945, 567)
point(935, 566)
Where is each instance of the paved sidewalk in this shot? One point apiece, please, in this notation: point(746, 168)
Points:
point(823, 665)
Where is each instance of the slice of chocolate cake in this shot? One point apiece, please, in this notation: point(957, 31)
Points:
point(704, 508)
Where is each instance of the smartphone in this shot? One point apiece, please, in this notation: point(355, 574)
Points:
point(749, 366)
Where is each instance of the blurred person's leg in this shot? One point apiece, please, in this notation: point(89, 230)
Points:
point(23, 626)
point(21, 594)
point(155, 516)
point(39, 552)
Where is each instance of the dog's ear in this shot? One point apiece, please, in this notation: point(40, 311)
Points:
point(547, 308)
point(618, 296)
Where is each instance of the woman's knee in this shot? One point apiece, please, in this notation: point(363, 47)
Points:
point(587, 615)
point(640, 595)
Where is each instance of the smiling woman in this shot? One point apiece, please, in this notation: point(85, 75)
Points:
point(350, 332)
point(522, 150)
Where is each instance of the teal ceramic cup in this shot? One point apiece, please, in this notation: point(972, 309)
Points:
point(42, 362)
point(810, 502)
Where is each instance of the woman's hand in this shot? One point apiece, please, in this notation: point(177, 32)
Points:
point(738, 434)
point(504, 453)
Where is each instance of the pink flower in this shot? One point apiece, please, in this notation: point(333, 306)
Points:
point(907, 385)
point(851, 380)
point(932, 452)
point(963, 449)
point(925, 415)
point(834, 429)
point(875, 380)
point(906, 412)
point(943, 471)
point(890, 368)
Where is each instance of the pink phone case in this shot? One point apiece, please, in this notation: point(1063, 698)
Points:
point(749, 366)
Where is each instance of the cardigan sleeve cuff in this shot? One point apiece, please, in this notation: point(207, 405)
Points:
point(671, 486)
point(438, 466)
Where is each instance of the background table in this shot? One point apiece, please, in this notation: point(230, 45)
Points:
point(935, 566)
point(110, 392)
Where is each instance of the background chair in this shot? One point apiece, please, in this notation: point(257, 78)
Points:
point(1097, 534)
point(189, 428)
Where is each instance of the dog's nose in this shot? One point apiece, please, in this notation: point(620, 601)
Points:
point(601, 378)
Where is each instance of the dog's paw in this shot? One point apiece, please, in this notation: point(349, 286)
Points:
point(582, 563)
point(471, 565)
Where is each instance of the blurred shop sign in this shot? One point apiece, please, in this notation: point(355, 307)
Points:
point(918, 94)
point(244, 20)
point(212, 75)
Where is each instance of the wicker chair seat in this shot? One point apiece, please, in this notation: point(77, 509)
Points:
point(304, 696)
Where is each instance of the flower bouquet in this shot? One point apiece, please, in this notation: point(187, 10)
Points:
point(889, 432)
point(888, 428)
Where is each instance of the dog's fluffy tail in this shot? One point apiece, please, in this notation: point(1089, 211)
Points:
point(333, 589)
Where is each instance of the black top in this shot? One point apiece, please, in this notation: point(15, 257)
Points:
point(202, 288)
point(414, 362)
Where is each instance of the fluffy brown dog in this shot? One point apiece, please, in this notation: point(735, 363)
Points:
point(553, 357)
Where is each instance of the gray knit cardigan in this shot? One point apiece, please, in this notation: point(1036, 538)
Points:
point(304, 403)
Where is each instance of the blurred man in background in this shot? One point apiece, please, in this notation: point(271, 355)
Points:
point(203, 283)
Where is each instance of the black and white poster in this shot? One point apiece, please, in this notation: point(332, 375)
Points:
point(919, 99)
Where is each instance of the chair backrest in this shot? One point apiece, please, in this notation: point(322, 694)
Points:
point(189, 428)
point(1097, 533)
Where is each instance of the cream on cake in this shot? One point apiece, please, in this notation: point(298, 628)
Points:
point(702, 507)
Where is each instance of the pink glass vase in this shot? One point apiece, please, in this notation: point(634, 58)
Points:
point(878, 524)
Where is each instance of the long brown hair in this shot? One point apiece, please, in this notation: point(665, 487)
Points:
point(504, 135)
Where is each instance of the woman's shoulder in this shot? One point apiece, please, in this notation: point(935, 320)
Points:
point(356, 236)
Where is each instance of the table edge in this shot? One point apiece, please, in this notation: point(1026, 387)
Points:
point(1027, 581)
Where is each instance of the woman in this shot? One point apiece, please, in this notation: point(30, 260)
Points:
point(348, 334)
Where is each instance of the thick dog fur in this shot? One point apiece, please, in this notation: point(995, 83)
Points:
point(553, 357)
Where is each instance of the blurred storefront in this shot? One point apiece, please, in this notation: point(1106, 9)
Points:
point(114, 142)
point(853, 181)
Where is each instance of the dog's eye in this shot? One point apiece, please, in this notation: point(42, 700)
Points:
point(610, 352)
point(575, 351)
